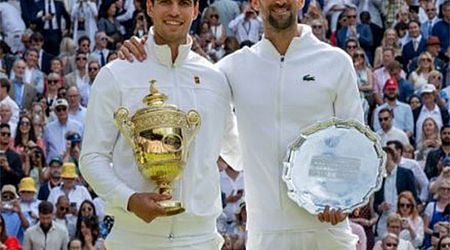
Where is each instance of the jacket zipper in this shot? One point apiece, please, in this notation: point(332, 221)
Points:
point(278, 104)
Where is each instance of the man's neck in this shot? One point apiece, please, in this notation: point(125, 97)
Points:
point(63, 121)
point(81, 71)
point(430, 107)
point(4, 147)
point(391, 103)
point(446, 148)
point(281, 39)
point(74, 108)
point(173, 46)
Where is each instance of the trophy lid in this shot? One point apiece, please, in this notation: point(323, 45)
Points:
point(158, 113)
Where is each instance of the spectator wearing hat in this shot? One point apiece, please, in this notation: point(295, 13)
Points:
point(429, 108)
point(76, 193)
point(405, 87)
point(55, 131)
point(381, 75)
point(73, 148)
point(403, 118)
point(15, 220)
point(387, 131)
point(10, 163)
point(46, 234)
point(52, 177)
point(28, 203)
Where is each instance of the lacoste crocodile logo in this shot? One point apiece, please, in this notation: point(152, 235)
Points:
point(309, 78)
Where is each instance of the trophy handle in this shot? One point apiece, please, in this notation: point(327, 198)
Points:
point(124, 124)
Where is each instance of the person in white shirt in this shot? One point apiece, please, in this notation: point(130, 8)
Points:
point(76, 111)
point(246, 26)
point(387, 131)
point(76, 193)
point(12, 26)
point(190, 82)
point(284, 83)
point(5, 86)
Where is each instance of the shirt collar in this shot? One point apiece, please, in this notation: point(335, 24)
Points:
point(163, 54)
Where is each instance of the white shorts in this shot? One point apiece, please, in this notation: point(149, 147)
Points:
point(320, 239)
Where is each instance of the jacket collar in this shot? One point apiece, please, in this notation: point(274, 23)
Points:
point(269, 50)
point(163, 54)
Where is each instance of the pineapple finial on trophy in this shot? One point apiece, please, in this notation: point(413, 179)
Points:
point(155, 98)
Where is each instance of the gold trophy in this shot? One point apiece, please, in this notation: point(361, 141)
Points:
point(160, 135)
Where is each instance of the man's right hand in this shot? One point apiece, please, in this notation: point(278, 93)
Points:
point(145, 206)
point(133, 48)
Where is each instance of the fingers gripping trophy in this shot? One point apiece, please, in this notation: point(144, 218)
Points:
point(160, 135)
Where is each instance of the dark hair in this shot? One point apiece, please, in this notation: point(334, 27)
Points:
point(387, 110)
point(4, 83)
point(440, 241)
point(414, 21)
point(390, 151)
point(91, 222)
point(45, 207)
point(5, 47)
point(104, 7)
point(36, 37)
point(83, 38)
point(5, 125)
point(31, 135)
point(397, 145)
point(442, 128)
point(3, 235)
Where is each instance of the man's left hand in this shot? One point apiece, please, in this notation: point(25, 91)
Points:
point(332, 216)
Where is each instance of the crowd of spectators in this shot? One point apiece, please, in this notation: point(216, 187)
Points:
point(52, 50)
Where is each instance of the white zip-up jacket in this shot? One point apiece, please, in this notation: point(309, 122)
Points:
point(107, 161)
point(311, 83)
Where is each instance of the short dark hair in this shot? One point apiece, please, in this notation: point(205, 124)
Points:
point(414, 21)
point(31, 50)
point(83, 38)
point(387, 110)
point(45, 207)
point(5, 125)
point(4, 83)
point(397, 145)
point(36, 37)
point(445, 126)
point(390, 151)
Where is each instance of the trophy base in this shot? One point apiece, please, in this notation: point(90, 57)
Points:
point(172, 207)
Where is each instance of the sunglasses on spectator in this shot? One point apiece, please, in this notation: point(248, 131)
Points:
point(391, 244)
point(383, 119)
point(351, 16)
point(317, 26)
point(5, 133)
point(64, 209)
point(81, 58)
point(351, 46)
point(214, 16)
point(445, 245)
point(104, 39)
point(8, 197)
point(437, 77)
point(59, 109)
point(92, 69)
point(405, 205)
point(86, 209)
point(25, 123)
point(431, 9)
point(52, 81)
point(425, 59)
point(85, 45)
point(358, 55)
point(445, 188)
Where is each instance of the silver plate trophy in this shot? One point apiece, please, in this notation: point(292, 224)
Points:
point(339, 163)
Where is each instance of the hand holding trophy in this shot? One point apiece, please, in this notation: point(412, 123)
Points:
point(160, 135)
